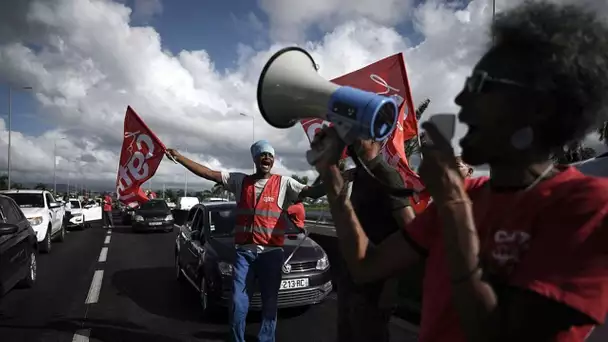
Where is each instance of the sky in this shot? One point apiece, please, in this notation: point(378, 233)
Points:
point(190, 67)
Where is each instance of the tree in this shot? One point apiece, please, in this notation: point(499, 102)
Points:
point(40, 186)
point(304, 180)
point(574, 152)
point(412, 146)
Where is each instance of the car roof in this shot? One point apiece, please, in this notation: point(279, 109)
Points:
point(218, 205)
point(597, 167)
point(27, 191)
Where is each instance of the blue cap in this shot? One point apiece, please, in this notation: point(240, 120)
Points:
point(261, 146)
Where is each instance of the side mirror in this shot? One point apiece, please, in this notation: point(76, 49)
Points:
point(7, 228)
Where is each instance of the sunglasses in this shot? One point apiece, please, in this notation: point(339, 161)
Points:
point(476, 82)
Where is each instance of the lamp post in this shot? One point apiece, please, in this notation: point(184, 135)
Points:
point(186, 180)
point(10, 115)
point(252, 131)
point(55, 166)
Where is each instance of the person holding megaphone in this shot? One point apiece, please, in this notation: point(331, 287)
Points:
point(523, 255)
point(262, 202)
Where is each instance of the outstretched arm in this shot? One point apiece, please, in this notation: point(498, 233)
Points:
point(196, 168)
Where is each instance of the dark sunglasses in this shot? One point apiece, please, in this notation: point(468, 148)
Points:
point(476, 82)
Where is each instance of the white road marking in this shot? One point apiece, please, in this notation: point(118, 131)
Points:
point(109, 231)
point(93, 295)
point(81, 335)
point(103, 255)
point(107, 241)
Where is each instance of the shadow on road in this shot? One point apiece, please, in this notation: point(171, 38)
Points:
point(101, 330)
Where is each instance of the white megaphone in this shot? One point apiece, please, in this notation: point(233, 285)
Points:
point(290, 89)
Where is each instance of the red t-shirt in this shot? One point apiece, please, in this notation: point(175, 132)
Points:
point(551, 240)
point(297, 214)
point(108, 203)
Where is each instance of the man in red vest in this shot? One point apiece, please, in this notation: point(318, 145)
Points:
point(259, 232)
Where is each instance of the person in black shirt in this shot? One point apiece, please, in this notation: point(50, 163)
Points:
point(364, 310)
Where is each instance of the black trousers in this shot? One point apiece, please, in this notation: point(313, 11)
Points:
point(107, 219)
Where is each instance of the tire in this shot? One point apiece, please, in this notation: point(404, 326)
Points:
point(32, 272)
point(46, 244)
point(61, 236)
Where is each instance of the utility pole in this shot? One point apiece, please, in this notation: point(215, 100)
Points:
point(55, 168)
point(252, 131)
point(186, 180)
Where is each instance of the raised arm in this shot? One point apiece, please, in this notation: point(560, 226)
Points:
point(366, 263)
point(196, 168)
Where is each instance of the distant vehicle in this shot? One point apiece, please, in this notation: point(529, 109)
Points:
point(18, 247)
point(74, 216)
point(204, 253)
point(44, 214)
point(153, 215)
point(216, 199)
point(186, 203)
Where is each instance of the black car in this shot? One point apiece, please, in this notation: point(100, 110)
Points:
point(153, 215)
point(204, 253)
point(18, 247)
point(126, 215)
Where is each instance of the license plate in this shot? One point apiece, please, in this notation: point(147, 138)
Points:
point(294, 283)
point(155, 223)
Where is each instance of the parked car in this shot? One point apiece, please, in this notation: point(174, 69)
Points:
point(43, 212)
point(204, 253)
point(18, 247)
point(153, 215)
point(74, 216)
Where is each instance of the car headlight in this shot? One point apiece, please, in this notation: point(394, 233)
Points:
point(138, 218)
point(225, 268)
point(323, 263)
point(169, 218)
point(34, 221)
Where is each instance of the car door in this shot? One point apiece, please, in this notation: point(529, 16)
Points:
point(13, 247)
point(53, 212)
point(185, 237)
point(193, 247)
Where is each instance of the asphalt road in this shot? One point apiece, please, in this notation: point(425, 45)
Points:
point(115, 285)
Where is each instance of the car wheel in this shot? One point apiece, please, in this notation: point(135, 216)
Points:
point(30, 278)
point(45, 245)
point(61, 236)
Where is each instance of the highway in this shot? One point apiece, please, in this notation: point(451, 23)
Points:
point(115, 285)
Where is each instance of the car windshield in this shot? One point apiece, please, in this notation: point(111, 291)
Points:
point(28, 200)
point(154, 205)
point(223, 219)
point(75, 204)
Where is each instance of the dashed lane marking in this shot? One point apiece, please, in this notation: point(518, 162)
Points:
point(103, 255)
point(93, 295)
point(107, 241)
point(81, 335)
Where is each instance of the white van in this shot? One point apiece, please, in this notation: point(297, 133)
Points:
point(186, 203)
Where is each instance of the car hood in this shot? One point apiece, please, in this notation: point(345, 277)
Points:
point(308, 251)
point(152, 213)
point(33, 212)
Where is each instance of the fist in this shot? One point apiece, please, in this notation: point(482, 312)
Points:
point(171, 153)
point(326, 149)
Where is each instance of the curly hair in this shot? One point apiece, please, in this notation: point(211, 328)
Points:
point(564, 51)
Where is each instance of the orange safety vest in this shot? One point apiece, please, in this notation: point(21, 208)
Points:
point(260, 222)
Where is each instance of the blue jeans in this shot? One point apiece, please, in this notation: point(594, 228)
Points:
point(266, 268)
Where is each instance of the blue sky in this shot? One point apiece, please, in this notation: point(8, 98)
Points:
point(214, 26)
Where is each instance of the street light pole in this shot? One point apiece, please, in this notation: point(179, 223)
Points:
point(55, 168)
point(186, 180)
point(252, 131)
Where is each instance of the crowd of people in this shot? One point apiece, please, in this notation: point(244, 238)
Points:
point(521, 255)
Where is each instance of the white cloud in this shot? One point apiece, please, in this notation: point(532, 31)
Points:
point(86, 63)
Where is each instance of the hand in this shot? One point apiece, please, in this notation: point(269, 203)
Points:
point(328, 145)
point(439, 169)
point(171, 153)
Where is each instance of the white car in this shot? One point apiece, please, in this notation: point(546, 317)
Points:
point(75, 216)
point(44, 214)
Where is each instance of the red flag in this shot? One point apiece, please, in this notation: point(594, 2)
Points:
point(386, 77)
point(140, 156)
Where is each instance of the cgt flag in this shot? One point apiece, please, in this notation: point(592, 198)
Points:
point(386, 77)
point(140, 156)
